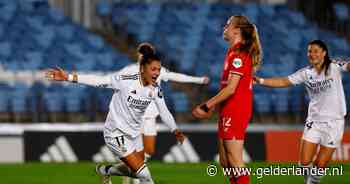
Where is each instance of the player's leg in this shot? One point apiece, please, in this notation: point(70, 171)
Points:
point(308, 146)
point(307, 152)
point(234, 154)
point(130, 151)
point(306, 156)
point(332, 134)
point(149, 131)
point(232, 132)
point(141, 152)
point(323, 157)
point(222, 154)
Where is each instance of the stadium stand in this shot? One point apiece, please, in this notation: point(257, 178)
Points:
point(34, 36)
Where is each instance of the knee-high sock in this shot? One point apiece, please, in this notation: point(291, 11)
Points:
point(119, 169)
point(147, 156)
point(314, 178)
point(307, 170)
point(144, 175)
point(243, 179)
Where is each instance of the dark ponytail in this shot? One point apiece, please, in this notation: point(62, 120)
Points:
point(327, 60)
point(147, 54)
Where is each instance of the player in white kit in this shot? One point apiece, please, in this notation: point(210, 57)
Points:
point(324, 126)
point(149, 129)
point(133, 93)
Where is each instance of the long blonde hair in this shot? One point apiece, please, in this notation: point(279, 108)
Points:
point(251, 39)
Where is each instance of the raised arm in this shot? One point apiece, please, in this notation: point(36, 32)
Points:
point(277, 82)
point(58, 74)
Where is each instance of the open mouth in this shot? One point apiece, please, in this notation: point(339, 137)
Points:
point(154, 79)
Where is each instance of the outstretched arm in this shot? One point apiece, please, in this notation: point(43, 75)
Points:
point(277, 82)
point(179, 77)
point(58, 74)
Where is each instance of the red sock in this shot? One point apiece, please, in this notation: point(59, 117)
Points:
point(244, 179)
point(233, 180)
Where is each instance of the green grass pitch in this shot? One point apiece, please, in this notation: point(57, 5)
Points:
point(83, 173)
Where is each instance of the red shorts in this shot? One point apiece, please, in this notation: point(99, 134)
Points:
point(230, 127)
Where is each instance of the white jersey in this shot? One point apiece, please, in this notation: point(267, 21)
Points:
point(327, 99)
point(129, 101)
point(165, 75)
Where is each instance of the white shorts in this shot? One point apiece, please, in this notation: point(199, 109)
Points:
point(121, 144)
point(149, 127)
point(328, 134)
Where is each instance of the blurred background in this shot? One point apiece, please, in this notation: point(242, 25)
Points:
point(101, 36)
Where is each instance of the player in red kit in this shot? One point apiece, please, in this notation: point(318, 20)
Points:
point(235, 97)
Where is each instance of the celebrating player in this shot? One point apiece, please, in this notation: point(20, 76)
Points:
point(133, 93)
point(149, 129)
point(235, 96)
point(324, 125)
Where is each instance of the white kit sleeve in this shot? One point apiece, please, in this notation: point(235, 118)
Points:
point(179, 77)
point(164, 112)
point(298, 77)
point(94, 80)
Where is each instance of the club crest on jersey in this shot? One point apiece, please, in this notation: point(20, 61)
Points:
point(237, 62)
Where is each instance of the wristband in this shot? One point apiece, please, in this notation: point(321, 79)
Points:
point(261, 80)
point(73, 77)
point(204, 107)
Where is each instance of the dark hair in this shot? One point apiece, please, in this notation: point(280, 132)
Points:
point(147, 53)
point(327, 60)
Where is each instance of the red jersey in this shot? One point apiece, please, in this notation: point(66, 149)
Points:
point(239, 104)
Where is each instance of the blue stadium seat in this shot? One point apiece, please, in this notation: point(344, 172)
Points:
point(5, 97)
point(103, 97)
point(19, 98)
point(180, 101)
point(34, 60)
point(53, 101)
point(56, 15)
point(95, 42)
point(280, 100)
point(262, 102)
point(341, 10)
point(75, 98)
point(46, 37)
point(65, 32)
point(5, 50)
point(8, 10)
point(104, 8)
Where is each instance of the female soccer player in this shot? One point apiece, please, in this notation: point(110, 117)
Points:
point(235, 96)
point(132, 95)
point(324, 125)
point(149, 129)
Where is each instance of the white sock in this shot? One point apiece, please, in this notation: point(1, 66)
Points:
point(144, 175)
point(314, 178)
point(135, 181)
point(308, 167)
point(147, 157)
point(119, 169)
